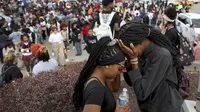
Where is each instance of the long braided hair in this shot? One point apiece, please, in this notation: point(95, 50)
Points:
point(136, 33)
point(103, 51)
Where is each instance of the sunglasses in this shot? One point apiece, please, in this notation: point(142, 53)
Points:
point(122, 68)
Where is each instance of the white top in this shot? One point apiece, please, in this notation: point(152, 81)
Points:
point(41, 66)
point(192, 35)
point(56, 38)
point(6, 51)
point(136, 12)
point(150, 15)
point(43, 23)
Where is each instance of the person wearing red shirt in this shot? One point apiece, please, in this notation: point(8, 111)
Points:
point(85, 29)
point(97, 6)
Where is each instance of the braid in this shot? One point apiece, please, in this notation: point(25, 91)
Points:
point(87, 71)
point(136, 33)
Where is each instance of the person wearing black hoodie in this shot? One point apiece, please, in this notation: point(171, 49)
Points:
point(168, 25)
point(76, 36)
point(91, 41)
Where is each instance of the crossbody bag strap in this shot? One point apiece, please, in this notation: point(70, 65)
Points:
point(4, 71)
point(90, 80)
point(110, 18)
point(101, 18)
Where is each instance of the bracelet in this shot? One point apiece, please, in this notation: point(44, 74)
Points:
point(134, 63)
point(133, 60)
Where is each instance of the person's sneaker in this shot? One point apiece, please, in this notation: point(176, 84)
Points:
point(78, 54)
point(73, 48)
point(67, 60)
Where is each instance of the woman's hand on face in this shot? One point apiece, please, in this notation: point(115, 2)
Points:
point(125, 108)
point(131, 53)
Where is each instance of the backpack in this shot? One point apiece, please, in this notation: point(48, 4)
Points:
point(3, 74)
point(104, 28)
point(186, 51)
point(137, 19)
point(183, 86)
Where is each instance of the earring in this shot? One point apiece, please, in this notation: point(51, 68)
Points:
point(106, 66)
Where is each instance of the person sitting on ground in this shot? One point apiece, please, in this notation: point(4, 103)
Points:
point(12, 72)
point(45, 63)
point(94, 87)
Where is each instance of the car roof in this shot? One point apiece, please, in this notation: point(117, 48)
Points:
point(191, 15)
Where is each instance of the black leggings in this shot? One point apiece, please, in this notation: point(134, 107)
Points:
point(1, 54)
point(44, 34)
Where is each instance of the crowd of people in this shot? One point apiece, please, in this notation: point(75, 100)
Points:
point(143, 46)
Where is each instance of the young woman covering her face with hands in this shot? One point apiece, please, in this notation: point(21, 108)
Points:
point(153, 62)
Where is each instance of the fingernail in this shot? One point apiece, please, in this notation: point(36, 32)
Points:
point(131, 44)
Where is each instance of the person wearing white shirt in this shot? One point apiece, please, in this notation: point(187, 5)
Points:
point(43, 27)
point(136, 12)
point(45, 63)
point(193, 35)
point(150, 14)
point(56, 40)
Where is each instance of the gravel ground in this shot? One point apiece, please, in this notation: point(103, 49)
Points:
point(193, 76)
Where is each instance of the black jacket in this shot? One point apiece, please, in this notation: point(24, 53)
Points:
point(3, 39)
point(11, 74)
point(91, 43)
point(172, 35)
point(151, 81)
point(75, 35)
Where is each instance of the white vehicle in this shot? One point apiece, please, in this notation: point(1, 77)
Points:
point(196, 1)
point(185, 20)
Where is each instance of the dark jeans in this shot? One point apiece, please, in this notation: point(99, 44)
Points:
point(1, 54)
point(78, 47)
point(44, 34)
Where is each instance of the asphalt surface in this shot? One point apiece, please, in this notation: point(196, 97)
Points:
point(196, 8)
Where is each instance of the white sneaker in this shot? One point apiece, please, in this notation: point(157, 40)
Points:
point(67, 60)
point(73, 48)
